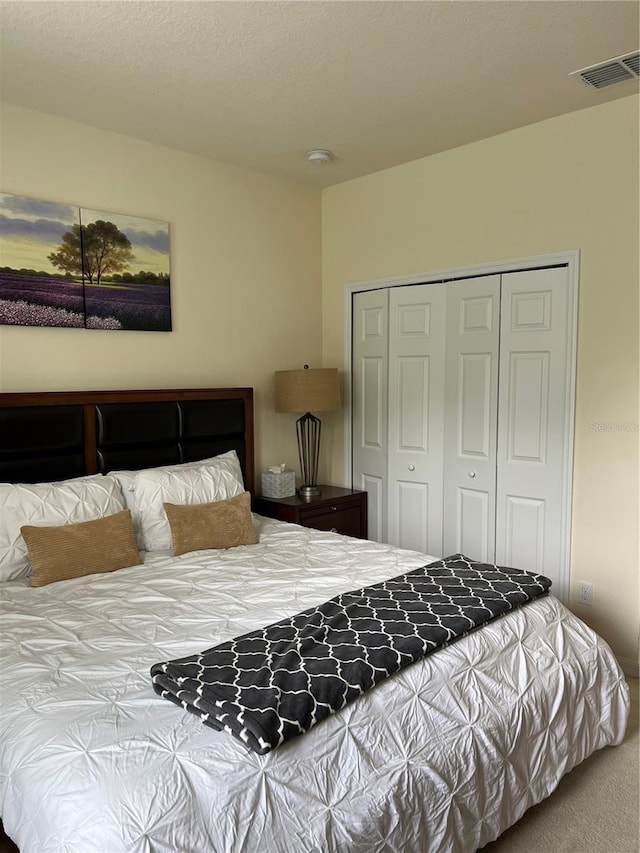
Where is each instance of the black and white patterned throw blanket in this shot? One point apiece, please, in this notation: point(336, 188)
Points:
point(277, 682)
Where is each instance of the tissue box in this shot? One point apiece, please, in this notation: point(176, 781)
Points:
point(281, 485)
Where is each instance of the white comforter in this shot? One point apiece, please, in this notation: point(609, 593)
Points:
point(441, 757)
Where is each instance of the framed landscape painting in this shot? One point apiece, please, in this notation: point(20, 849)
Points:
point(66, 266)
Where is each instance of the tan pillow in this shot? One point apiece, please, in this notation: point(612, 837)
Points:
point(221, 524)
point(74, 550)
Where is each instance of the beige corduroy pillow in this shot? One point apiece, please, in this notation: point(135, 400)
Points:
point(220, 524)
point(88, 548)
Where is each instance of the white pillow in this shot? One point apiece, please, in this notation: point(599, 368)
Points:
point(127, 480)
point(48, 504)
point(215, 479)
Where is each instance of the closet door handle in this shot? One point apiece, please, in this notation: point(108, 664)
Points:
point(412, 467)
point(472, 474)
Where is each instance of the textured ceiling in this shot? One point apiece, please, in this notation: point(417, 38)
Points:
point(257, 84)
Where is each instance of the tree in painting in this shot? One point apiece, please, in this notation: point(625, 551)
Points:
point(96, 249)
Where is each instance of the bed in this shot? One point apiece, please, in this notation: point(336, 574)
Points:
point(442, 756)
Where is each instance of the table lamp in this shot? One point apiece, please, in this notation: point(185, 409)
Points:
point(308, 390)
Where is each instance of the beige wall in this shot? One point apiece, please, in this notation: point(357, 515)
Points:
point(245, 270)
point(245, 253)
point(566, 183)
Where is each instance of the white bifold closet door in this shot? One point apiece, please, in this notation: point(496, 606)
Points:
point(370, 383)
point(471, 417)
point(534, 446)
point(460, 418)
point(416, 391)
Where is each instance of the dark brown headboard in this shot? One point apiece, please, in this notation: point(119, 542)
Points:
point(57, 435)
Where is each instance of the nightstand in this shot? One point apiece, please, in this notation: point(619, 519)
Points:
point(340, 510)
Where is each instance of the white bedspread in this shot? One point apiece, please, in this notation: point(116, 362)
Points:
point(441, 757)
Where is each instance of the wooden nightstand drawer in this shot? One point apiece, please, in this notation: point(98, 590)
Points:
point(341, 520)
point(342, 510)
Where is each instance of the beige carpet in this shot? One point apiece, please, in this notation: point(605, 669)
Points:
point(595, 809)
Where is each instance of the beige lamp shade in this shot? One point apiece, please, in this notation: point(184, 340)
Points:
point(307, 390)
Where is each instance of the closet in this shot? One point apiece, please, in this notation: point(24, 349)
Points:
point(461, 431)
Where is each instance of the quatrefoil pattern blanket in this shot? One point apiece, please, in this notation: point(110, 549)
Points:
point(278, 682)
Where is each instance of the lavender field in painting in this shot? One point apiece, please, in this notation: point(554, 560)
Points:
point(144, 307)
point(27, 300)
point(30, 300)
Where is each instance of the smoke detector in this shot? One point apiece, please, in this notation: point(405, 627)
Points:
point(319, 156)
point(616, 70)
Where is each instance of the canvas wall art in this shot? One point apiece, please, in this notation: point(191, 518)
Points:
point(62, 265)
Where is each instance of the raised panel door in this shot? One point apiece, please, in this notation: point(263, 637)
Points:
point(469, 488)
point(533, 439)
point(369, 404)
point(416, 388)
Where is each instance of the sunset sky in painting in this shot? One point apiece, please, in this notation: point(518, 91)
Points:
point(31, 229)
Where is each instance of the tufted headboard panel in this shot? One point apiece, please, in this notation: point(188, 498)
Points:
point(56, 435)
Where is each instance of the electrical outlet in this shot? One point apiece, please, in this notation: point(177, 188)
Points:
point(585, 592)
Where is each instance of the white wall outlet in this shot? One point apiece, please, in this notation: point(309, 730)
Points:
point(585, 592)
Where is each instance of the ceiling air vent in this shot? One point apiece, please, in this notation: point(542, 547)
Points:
point(632, 62)
point(616, 70)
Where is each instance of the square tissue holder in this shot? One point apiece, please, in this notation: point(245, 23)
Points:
point(278, 484)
